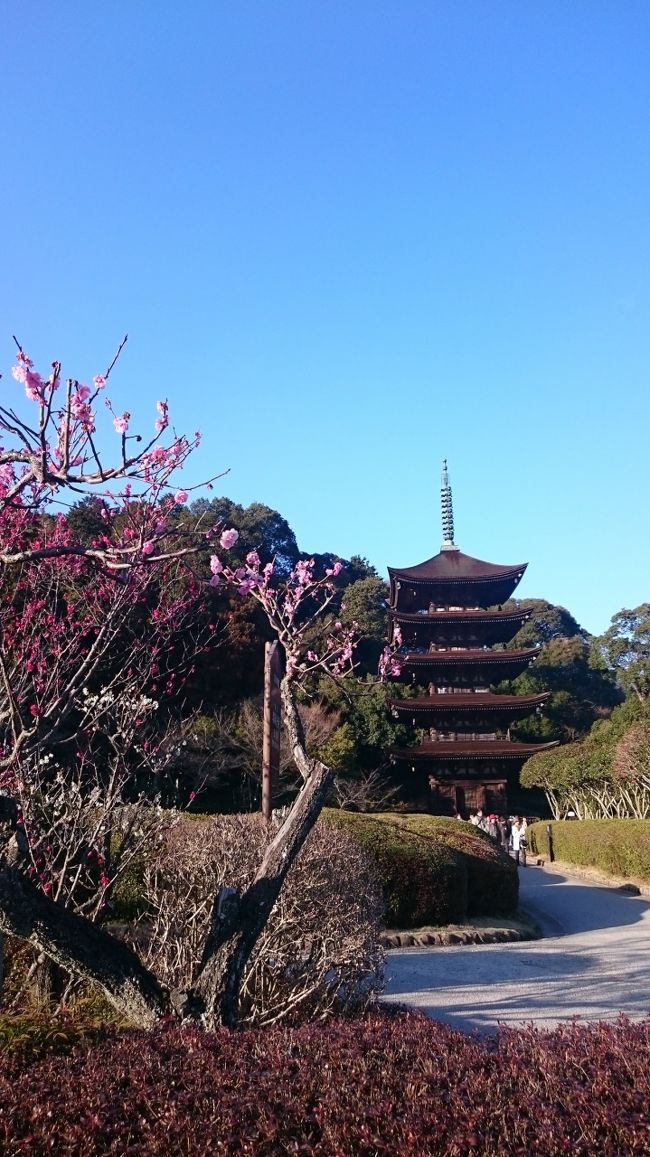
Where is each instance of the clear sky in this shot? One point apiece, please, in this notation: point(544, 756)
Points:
point(348, 238)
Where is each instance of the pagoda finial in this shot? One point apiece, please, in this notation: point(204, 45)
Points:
point(447, 511)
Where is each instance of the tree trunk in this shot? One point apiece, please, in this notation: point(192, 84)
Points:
point(81, 948)
point(237, 921)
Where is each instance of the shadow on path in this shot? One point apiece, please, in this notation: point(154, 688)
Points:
point(564, 905)
point(594, 965)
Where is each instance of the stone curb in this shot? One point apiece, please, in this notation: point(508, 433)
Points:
point(444, 938)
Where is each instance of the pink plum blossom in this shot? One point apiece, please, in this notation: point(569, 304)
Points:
point(34, 386)
point(229, 538)
point(122, 424)
point(216, 566)
point(253, 559)
point(180, 497)
point(303, 571)
point(99, 381)
point(148, 548)
point(24, 364)
point(215, 580)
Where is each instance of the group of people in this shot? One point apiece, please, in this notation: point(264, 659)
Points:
point(510, 832)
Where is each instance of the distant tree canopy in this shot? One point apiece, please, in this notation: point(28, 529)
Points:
point(546, 622)
point(260, 528)
point(365, 602)
point(605, 774)
point(580, 692)
point(625, 649)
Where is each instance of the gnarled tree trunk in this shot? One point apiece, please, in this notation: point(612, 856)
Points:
point(237, 921)
point(81, 947)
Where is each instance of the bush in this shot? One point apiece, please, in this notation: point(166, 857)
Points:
point(434, 870)
point(621, 847)
point(492, 878)
point(423, 880)
point(390, 1084)
point(320, 949)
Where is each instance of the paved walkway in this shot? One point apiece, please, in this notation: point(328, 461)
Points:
point(593, 963)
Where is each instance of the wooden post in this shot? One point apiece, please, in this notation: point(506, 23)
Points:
point(272, 725)
point(549, 840)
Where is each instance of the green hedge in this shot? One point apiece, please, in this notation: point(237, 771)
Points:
point(492, 879)
point(621, 847)
point(433, 870)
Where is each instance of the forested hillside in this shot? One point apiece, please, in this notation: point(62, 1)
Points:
point(219, 719)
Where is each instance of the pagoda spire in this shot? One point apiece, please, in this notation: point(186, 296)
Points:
point(447, 510)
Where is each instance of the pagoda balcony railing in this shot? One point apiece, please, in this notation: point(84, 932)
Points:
point(448, 690)
point(463, 736)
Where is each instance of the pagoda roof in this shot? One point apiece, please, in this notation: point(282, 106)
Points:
point(452, 566)
point(461, 657)
point(473, 701)
point(469, 751)
point(464, 614)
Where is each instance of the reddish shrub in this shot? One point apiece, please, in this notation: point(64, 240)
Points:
point(389, 1084)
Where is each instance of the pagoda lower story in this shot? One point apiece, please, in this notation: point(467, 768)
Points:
point(457, 782)
point(450, 630)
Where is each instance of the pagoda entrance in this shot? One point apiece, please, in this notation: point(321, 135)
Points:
point(461, 797)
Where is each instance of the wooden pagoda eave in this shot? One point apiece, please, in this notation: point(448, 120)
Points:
point(479, 657)
point(451, 567)
point(481, 702)
point(472, 616)
point(469, 751)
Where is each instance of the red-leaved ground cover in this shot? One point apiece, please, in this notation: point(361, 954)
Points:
point(388, 1084)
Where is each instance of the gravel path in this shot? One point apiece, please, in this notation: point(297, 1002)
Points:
point(593, 963)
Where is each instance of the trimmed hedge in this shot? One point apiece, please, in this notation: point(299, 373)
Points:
point(423, 881)
point(434, 870)
point(492, 878)
point(388, 1084)
point(620, 847)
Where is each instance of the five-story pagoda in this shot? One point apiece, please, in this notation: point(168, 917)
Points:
point(447, 620)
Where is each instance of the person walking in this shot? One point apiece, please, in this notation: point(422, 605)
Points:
point(518, 841)
point(504, 833)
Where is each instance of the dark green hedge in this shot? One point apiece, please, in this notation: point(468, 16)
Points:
point(492, 880)
point(434, 870)
point(621, 847)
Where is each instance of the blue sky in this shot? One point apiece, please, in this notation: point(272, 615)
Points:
point(348, 239)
